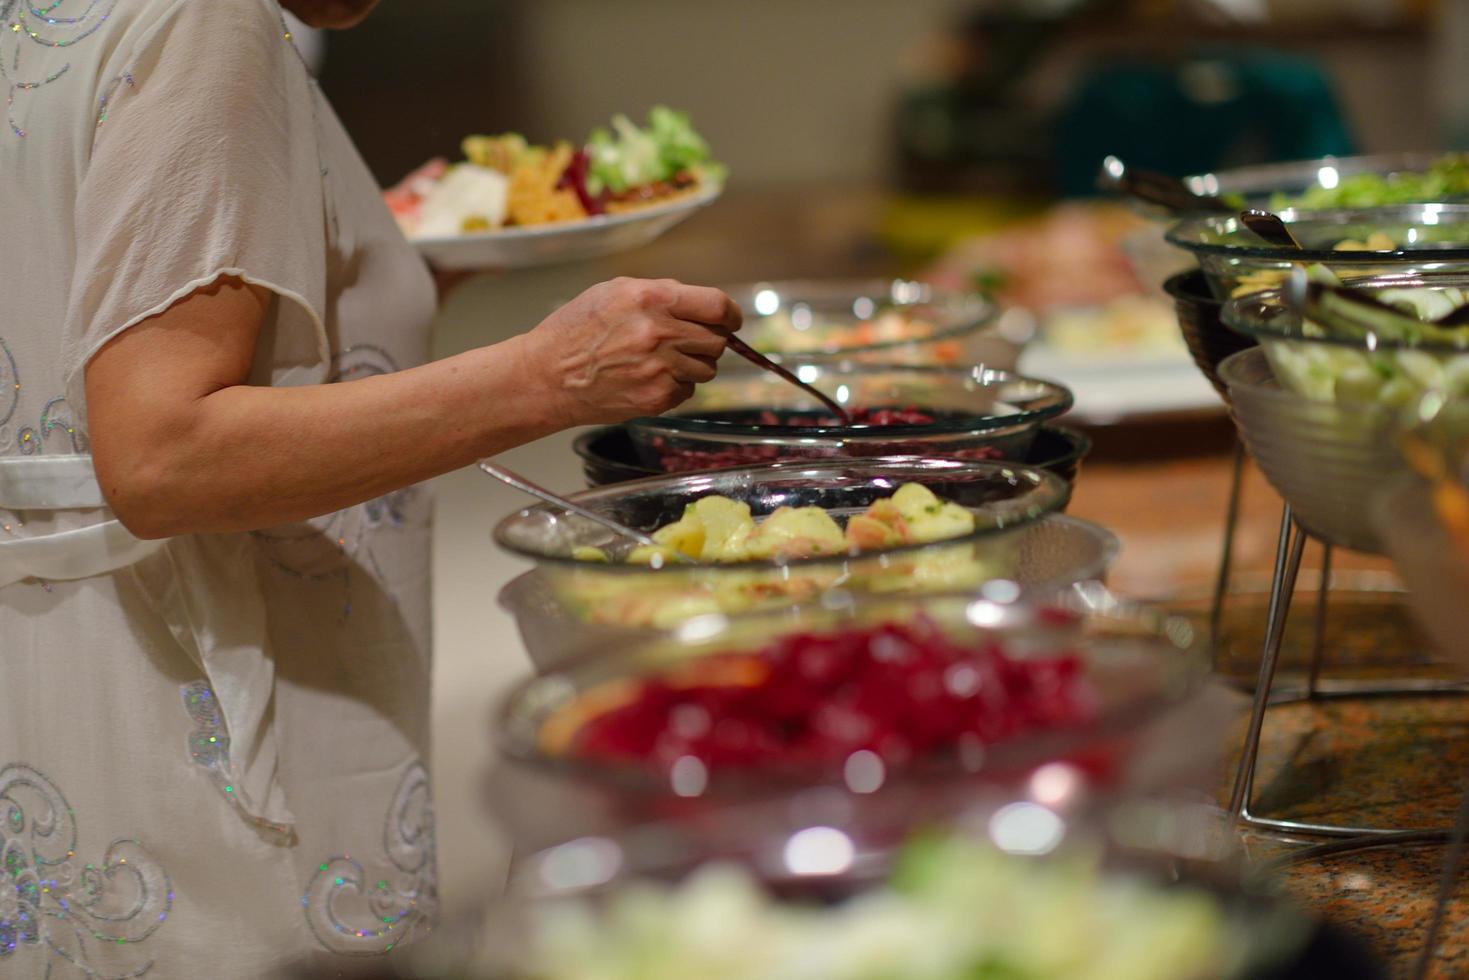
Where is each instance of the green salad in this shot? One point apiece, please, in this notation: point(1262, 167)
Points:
point(952, 910)
point(1446, 179)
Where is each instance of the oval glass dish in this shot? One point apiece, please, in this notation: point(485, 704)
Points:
point(969, 693)
point(1046, 557)
point(1002, 498)
point(608, 455)
point(833, 897)
point(873, 321)
point(747, 417)
point(1351, 243)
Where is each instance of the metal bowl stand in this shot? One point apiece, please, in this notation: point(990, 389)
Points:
point(1346, 838)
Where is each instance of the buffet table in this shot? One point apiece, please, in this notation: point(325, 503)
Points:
point(1164, 495)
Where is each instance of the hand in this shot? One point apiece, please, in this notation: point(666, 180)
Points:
point(629, 347)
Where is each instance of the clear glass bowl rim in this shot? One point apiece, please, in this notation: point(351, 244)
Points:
point(1055, 399)
point(1243, 314)
point(1184, 234)
point(1046, 494)
point(1151, 624)
point(870, 288)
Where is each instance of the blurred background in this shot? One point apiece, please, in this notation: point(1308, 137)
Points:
point(923, 137)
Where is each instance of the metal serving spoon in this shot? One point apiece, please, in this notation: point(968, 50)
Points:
point(1353, 309)
point(1270, 227)
point(511, 478)
point(761, 361)
point(1152, 187)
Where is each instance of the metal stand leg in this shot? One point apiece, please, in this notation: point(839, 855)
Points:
point(1288, 552)
point(1226, 554)
point(1318, 643)
point(1446, 882)
point(1282, 584)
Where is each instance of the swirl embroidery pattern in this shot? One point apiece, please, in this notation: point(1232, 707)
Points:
point(84, 918)
point(27, 26)
point(351, 917)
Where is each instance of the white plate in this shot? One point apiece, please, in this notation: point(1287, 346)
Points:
point(569, 241)
point(1109, 389)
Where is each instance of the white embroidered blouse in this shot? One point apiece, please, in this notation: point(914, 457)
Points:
point(211, 752)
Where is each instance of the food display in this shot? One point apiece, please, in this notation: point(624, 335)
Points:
point(1380, 356)
point(879, 696)
point(506, 182)
point(994, 498)
point(717, 529)
point(1351, 243)
point(1445, 179)
point(951, 909)
point(745, 417)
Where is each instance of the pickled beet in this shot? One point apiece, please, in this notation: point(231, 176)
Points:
point(902, 691)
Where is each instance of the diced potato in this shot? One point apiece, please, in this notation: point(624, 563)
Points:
point(727, 526)
point(947, 520)
point(797, 532)
point(913, 500)
point(686, 535)
point(867, 533)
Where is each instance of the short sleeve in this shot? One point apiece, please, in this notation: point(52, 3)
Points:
point(207, 165)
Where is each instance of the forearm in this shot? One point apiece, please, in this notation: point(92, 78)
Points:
point(251, 457)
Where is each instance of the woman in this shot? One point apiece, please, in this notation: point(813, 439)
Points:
point(214, 714)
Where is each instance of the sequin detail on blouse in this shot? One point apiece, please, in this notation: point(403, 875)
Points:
point(356, 913)
point(24, 28)
point(55, 908)
point(209, 748)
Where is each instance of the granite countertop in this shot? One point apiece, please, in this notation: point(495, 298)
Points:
point(1398, 762)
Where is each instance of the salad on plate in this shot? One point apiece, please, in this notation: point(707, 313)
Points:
point(505, 181)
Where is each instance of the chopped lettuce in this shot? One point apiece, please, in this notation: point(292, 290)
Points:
point(626, 155)
point(955, 910)
point(1393, 376)
point(1446, 179)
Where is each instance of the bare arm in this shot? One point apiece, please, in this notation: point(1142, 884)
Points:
point(182, 445)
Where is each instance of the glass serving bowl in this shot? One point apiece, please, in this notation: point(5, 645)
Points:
point(873, 321)
point(1423, 521)
point(1135, 665)
point(1432, 563)
point(792, 891)
point(1045, 557)
point(982, 414)
point(1209, 340)
point(608, 454)
point(1236, 261)
point(1279, 185)
point(1382, 369)
point(1326, 459)
point(615, 593)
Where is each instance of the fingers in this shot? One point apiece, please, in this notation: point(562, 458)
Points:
point(696, 370)
point(706, 305)
point(697, 340)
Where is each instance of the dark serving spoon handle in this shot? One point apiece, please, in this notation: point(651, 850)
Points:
point(761, 361)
